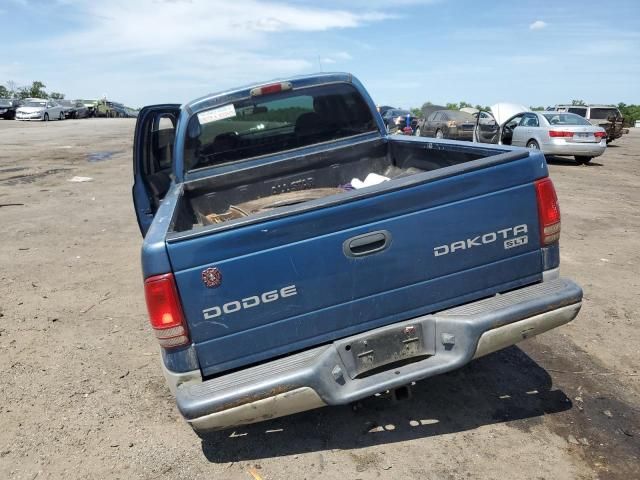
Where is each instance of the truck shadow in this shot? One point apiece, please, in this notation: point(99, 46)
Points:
point(501, 387)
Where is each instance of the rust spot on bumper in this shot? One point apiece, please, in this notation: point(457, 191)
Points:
point(272, 392)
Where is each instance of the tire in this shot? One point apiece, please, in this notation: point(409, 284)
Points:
point(583, 160)
point(439, 134)
point(533, 145)
point(45, 118)
point(418, 132)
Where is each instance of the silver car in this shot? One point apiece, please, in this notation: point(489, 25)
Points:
point(39, 109)
point(555, 133)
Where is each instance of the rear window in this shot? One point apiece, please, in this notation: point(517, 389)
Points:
point(604, 113)
point(557, 118)
point(578, 111)
point(460, 116)
point(274, 123)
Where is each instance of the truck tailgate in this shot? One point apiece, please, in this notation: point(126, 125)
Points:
point(449, 240)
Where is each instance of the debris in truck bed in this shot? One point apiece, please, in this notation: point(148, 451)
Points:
point(371, 179)
point(231, 214)
point(269, 203)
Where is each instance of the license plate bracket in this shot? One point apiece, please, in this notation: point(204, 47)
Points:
point(582, 136)
point(387, 346)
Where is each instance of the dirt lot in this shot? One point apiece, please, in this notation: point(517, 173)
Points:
point(83, 397)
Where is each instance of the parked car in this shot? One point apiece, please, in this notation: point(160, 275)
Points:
point(119, 110)
point(131, 112)
point(450, 124)
point(275, 284)
point(383, 108)
point(8, 107)
point(74, 109)
point(90, 106)
point(555, 133)
point(395, 120)
point(40, 109)
point(109, 109)
point(605, 116)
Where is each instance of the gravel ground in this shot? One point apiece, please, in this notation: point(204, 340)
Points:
point(83, 396)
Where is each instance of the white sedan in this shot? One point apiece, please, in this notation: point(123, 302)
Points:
point(40, 109)
point(555, 133)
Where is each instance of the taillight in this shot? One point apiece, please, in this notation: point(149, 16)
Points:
point(272, 88)
point(600, 135)
point(548, 211)
point(165, 311)
point(559, 133)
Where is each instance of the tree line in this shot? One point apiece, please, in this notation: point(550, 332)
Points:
point(35, 90)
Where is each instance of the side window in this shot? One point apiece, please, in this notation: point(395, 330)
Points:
point(529, 120)
point(163, 135)
point(436, 116)
point(514, 122)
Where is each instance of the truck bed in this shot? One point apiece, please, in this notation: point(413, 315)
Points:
point(249, 194)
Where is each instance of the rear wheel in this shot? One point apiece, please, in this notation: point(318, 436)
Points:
point(439, 134)
point(583, 160)
point(533, 145)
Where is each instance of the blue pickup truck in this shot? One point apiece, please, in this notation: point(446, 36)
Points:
point(295, 255)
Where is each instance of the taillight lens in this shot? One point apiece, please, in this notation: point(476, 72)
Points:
point(600, 135)
point(165, 311)
point(548, 211)
point(559, 134)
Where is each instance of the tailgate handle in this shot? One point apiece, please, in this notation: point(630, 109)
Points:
point(366, 244)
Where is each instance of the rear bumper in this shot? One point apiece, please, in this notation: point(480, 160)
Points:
point(570, 148)
point(326, 376)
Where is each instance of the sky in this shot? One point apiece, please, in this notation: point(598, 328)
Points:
point(405, 52)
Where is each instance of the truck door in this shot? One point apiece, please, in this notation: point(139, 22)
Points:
point(153, 159)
